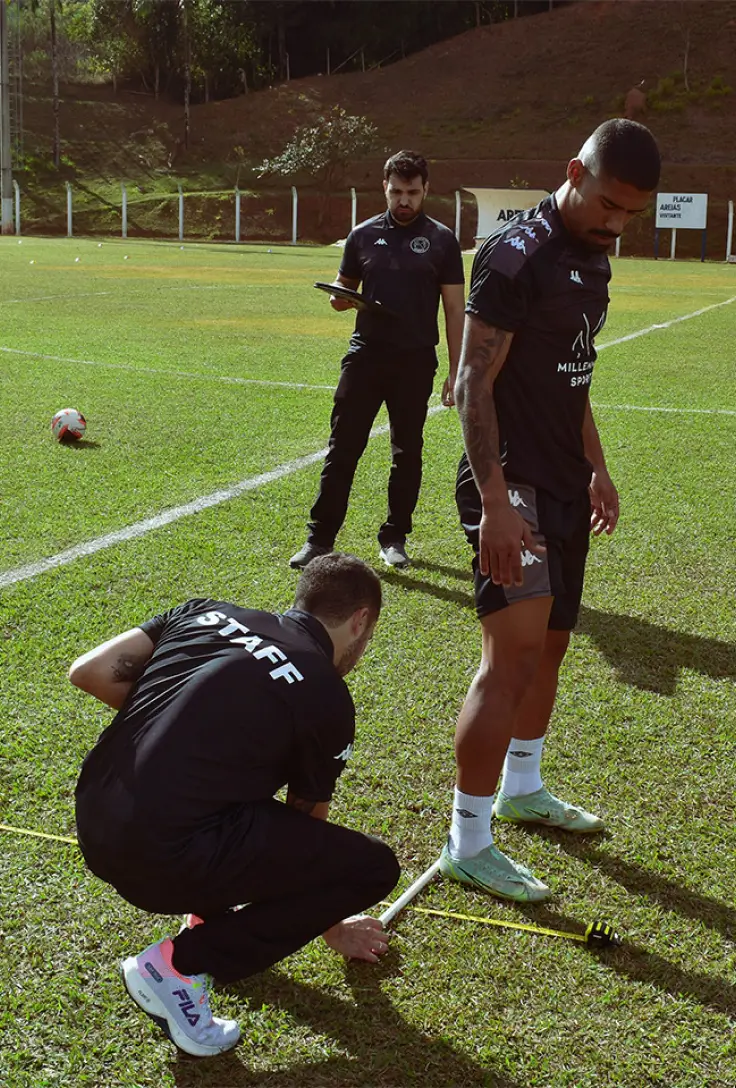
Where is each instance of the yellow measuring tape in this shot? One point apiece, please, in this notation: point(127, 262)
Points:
point(504, 925)
point(36, 834)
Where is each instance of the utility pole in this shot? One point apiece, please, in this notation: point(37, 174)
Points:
point(6, 176)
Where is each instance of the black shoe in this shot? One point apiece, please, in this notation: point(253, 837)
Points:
point(306, 554)
point(394, 555)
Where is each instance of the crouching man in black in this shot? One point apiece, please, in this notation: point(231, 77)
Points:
point(219, 707)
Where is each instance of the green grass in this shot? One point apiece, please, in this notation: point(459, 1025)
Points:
point(643, 731)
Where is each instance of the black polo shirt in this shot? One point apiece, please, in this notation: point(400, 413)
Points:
point(233, 705)
point(534, 279)
point(403, 268)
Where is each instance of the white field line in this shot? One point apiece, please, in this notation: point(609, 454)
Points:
point(666, 324)
point(147, 286)
point(654, 408)
point(167, 373)
point(140, 528)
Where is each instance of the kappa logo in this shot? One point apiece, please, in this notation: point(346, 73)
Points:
point(527, 558)
point(575, 277)
point(516, 500)
point(517, 243)
point(420, 244)
point(346, 753)
point(380, 242)
point(545, 224)
point(527, 231)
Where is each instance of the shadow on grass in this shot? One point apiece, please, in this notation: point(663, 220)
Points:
point(440, 568)
point(418, 585)
point(633, 960)
point(383, 1050)
point(81, 445)
point(650, 657)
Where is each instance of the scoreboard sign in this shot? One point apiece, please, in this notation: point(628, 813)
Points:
point(682, 211)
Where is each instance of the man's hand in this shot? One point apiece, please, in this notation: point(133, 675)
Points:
point(358, 938)
point(503, 536)
point(448, 391)
point(604, 503)
point(341, 304)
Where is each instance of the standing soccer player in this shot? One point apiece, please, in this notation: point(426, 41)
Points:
point(219, 707)
point(407, 262)
point(532, 485)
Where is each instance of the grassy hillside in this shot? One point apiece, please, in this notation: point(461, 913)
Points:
point(502, 102)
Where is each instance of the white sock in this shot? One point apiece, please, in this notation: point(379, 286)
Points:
point(521, 774)
point(470, 831)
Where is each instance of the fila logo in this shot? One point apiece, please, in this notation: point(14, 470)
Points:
point(345, 754)
point(186, 1005)
point(527, 558)
point(380, 242)
point(516, 500)
point(575, 277)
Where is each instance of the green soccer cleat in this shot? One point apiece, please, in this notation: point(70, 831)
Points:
point(491, 871)
point(542, 807)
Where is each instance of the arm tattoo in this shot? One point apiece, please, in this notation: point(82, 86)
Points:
point(128, 669)
point(475, 402)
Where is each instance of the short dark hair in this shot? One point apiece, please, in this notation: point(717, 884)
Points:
point(407, 164)
point(334, 586)
point(624, 150)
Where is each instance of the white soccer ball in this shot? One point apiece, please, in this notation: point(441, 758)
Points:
point(68, 425)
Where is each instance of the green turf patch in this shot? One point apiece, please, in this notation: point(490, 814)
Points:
point(642, 732)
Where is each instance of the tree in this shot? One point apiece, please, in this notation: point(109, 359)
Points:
point(324, 150)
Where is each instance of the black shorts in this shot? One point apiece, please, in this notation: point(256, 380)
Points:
point(563, 527)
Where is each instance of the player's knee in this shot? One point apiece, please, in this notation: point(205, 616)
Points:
point(383, 867)
point(555, 647)
point(510, 675)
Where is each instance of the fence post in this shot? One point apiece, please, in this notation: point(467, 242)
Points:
point(294, 214)
point(729, 234)
point(181, 212)
point(703, 244)
point(353, 209)
point(458, 212)
point(618, 246)
point(16, 187)
point(673, 243)
point(125, 210)
point(656, 243)
point(68, 209)
point(237, 214)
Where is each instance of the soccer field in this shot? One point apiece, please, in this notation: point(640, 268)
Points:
point(206, 375)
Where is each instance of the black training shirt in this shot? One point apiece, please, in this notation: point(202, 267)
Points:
point(403, 268)
point(533, 278)
point(233, 705)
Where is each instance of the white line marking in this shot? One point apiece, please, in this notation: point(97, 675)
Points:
point(665, 324)
point(654, 408)
point(169, 373)
point(146, 286)
point(140, 528)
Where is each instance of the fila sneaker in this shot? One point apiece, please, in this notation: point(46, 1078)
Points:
point(179, 1005)
point(542, 807)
